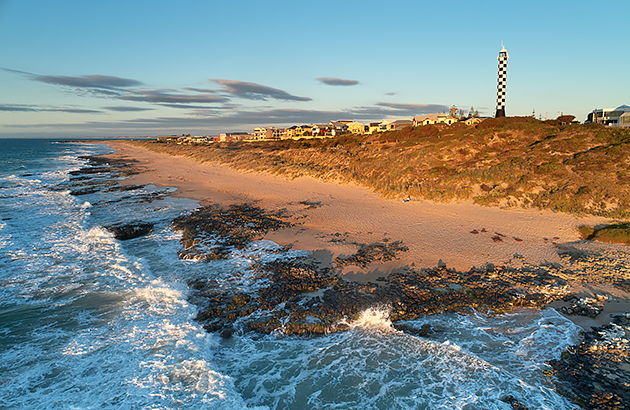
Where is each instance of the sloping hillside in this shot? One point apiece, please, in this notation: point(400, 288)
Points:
point(514, 161)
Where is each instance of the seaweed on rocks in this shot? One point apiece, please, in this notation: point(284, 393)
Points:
point(212, 232)
point(299, 299)
point(596, 373)
point(296, 296)
point(374, 252)
point(101, 173)
point(413, 293)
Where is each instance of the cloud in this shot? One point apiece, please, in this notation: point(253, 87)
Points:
point(18, 108)
point(124, 89)
point(220, 120)
point(105, 82)
point(253, 91)
point(336, 81)
point(414, 109)
point(167, 96)
point(37, 108)
point(75, 110)
point(127, 109)
point(200, 90)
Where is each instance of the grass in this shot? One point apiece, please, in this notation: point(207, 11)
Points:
point(527, 162)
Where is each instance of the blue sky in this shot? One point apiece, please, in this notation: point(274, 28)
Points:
point(135, 68)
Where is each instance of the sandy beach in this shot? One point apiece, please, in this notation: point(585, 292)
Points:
point(460, 235)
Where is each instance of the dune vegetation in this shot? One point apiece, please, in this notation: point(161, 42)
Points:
point(506, 162)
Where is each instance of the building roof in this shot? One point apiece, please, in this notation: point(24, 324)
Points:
point(432, 117)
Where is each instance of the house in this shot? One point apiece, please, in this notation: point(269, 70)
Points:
point(290, 133)
point(609, 116)
point(165, 138)
point(264, 133)
point(198, 140)
point(338, 127)
point(439, 118)
point(278, 133)
point(232, 136)
point(373, 127)
point(624, 120)
point(389, 125)
point(472, 121)
point(357, 127)
point(321, 130)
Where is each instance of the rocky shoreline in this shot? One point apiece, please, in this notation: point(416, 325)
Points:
point(297, 296)
point(304, 296)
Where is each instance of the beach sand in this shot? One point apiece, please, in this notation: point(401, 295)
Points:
point(335, 219)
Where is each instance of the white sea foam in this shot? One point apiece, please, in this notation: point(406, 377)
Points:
point(375, 366)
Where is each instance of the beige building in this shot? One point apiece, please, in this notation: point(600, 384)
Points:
point(390, 125)
point(439, 118)
point(471, 121)
point(357, 127)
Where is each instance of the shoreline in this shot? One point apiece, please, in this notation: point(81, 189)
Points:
point(333, 219)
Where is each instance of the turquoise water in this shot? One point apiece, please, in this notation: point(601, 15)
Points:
point(90, 322)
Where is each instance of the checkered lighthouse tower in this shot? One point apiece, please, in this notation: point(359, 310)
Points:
point(501, 83)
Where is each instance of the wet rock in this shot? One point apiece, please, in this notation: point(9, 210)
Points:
point(516, 405)
point(425, 330)
point(299, 297)
point(595, 373)
point(101, 174)
point(582, 306)
point(212, 232)
point(130, 231)
point(372, 253)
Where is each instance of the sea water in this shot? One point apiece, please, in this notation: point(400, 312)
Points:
point(91, 322)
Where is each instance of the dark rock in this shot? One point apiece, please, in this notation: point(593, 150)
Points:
point(371, 253)
point(130, 231)
point(227, 333)
point(212, 232)
point(594, 373)
point(516, 405)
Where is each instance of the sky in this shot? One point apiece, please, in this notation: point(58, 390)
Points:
point(77, 68)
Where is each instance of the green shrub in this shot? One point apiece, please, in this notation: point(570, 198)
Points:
point(615, 233)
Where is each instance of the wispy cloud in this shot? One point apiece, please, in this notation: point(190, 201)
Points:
point(171, 97)
point(127, 109)
point(37, 108)
point(107, 86)
point(253, 91)
point(105, 82)
point(413, 109)
point(18, 108)
point(337, 81)
point(75, 110)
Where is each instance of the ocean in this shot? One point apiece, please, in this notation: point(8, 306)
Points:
point(91, 322)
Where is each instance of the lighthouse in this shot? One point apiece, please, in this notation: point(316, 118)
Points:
point(501, 82)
